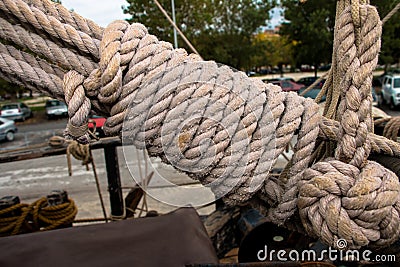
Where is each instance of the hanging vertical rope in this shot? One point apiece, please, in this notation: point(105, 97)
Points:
point(219, 126)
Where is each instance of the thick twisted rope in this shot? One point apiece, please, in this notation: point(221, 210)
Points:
point(226, 130)
point(68, 17)
point(50, 25)
point(329, 130)
point(78, 108)
point(45, 48)
point(357, 59)
point(25, 67)
point(391, 127)
point(338, 197)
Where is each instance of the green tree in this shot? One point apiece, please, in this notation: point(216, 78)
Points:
point(310, 26)
point(220, 30)
point(272, 50)
point(390, 50)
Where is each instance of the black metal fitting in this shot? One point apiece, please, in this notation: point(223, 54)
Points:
point(57, 197)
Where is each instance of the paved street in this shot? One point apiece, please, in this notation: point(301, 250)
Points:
point(32, 179)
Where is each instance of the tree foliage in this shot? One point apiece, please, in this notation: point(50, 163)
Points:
point(272, 50)
point(310, 26)
point(390, 50)
point(220, 30)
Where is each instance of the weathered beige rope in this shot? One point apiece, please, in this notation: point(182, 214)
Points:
point(391, 127)
point(35, 75)
point(50, 25)
point(219, 126)
point(338, 196)
point(46, 48)
point(391, 13)
point(78, 108)
point(68, 17)
point(329, 130)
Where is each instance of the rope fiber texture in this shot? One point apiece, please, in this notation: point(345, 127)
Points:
point(391, 127)
point(218, 125)
point(38, 216)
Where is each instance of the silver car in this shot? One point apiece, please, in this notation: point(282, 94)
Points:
point(56, 108)
point(391, 90)
point(15, 111)
point(7, 129)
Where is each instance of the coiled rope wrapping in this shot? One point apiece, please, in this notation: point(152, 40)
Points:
point(156, 88)
point(23, 218)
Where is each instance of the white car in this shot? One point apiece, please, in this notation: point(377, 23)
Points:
point(15, 111)
point(7, 129)
point(391, 90)
point(56, 108)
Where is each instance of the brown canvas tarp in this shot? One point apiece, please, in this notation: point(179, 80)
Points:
point(174, 239)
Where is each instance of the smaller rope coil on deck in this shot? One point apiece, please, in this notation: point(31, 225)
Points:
point(38, 216)
point(221, 127)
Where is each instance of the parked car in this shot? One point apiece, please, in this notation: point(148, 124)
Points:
point(96, 125)
point(376, 98)
point(391, 90)
point(288, 85)
point(312, 93)
point(56, 108)
point(16, 111)
point(376, 101)
point(250, 73)
point(7, 129)
point(271, 80)
point(307, 81)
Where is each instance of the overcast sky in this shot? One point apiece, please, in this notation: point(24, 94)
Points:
point(105, 11)
point(100, 11)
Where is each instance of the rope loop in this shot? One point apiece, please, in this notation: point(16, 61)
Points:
point(241, 125)
point(79, 107)
point(80, 152)
point(391, 127)
point(104, 85)
point(354, 74)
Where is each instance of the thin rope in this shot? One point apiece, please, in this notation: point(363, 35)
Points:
point(226, 130)
point(96, 178)
point(177, 28)
point(391, 13)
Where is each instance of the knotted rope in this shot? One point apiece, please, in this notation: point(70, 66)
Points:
point(223, 128)
point(80, 152)
point(349, 197)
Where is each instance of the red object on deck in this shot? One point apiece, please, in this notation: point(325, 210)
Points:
point(99, 121)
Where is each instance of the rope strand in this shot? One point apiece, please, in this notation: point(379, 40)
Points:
point(221, 127)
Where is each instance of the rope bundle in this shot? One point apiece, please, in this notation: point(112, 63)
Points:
point(218, 125)
point(347, 196)
point(391, 127)
point(38, 216)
